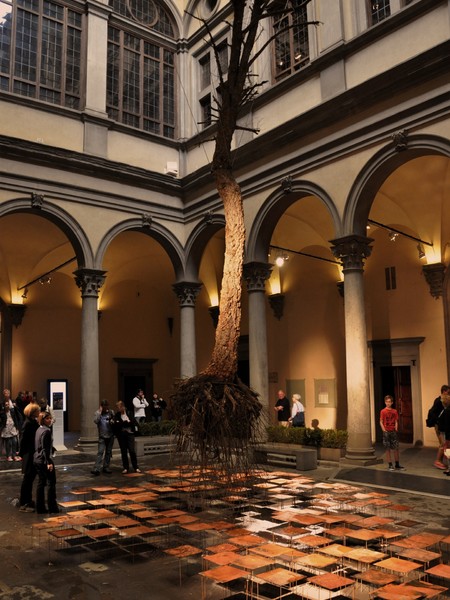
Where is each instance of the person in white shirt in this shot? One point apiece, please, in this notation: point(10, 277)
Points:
point(297, 418)
point(140, 404)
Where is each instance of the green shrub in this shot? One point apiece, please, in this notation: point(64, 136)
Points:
point(325, 438)
point(152, 428)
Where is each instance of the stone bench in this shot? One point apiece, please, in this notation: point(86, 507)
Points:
point(148, 445)
point(289, 455)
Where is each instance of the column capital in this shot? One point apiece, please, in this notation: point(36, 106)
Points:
point(352, 250)
point(187, 292)
point(256, 274)
point(434, 274)
point(89, 281)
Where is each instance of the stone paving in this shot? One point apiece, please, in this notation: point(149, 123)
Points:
point(36, 564)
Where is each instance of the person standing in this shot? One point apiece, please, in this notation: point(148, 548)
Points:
point(436, 410)
point(297, 418)
point(10, 428)
point(45, 466)
point(125, 426)
point(140, 404)
point(26, 451)
point(389, 427)
point(158, 405)
point(104, 419)
point(283, 409)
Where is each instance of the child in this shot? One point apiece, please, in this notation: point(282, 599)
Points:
point(389, 426)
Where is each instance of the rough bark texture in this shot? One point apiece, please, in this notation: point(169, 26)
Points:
point(223, 363)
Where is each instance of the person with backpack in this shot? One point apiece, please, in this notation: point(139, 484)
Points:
point(297, 418)
point(432, 421)
point(104, 419)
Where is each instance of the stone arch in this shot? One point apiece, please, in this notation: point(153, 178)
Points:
point(378, 168)
point(40, 207)
point(156, 231)
point(197, 241)
point(272, 210)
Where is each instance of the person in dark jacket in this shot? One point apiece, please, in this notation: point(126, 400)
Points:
point(104, 419)
point(45, 466)
point(125, 426)
point(26, 451)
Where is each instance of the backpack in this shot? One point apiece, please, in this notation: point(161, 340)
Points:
point(443, 419)
point(434, 413)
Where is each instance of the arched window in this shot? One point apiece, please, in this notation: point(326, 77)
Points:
point(141, 67)
point(292, 41)
point(40, 50)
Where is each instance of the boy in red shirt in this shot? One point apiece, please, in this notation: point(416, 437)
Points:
point(389, 426)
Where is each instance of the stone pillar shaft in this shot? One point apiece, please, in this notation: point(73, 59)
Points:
point(186, 293)
point(256, 275)
point(89, 281)
point(352, 251)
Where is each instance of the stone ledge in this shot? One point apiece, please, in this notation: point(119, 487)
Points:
point(294, 455)
point(147, 445)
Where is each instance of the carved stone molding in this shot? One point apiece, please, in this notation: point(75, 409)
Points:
point(37, 200)
point(286, 184)
point(186, 292)
point(17, 312)
point(276, 302)
point(256, 274)
point(400, 139)
point(434, 275)
point(147, 221)
point(352, 251)
point(89, 281)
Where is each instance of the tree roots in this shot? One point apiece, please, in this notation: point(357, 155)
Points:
point(217, 423)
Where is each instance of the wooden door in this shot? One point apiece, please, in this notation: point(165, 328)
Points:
point(396, 381)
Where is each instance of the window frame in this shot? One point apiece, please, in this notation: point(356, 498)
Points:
point(10, 81)
point(294, 65)
point(209, 86)
point(145, 36)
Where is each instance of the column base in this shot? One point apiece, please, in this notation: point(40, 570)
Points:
point(87, 444)
point(360, 456)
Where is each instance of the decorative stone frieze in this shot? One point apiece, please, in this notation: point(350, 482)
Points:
point(352, 251)
point(256, 274)
point(89, 281)
point(434, 275)
point(187, 292)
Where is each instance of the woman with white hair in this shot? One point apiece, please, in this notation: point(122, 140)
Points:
point(297, 418)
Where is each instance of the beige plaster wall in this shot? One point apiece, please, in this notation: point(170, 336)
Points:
point(40, 126)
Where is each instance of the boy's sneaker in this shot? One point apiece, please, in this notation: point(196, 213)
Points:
point(439, 465)
point(95, 472)
point(399, 468)
point(391, 468)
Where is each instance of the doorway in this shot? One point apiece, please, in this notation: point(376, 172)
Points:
point(134, 374)
point(396, 381)
point(395, 367)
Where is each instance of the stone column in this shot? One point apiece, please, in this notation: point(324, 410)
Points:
point(186, 293)
point(256, 274)
point(89, 281)
point(352, 250)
